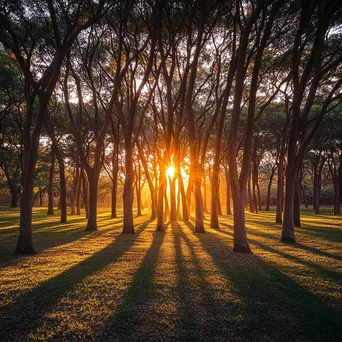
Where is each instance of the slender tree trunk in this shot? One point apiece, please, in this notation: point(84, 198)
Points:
point(115, 164)
point(205, 207)
point(258, 192)
point(78, 194)
point(318, 184)
point(214, 219)
point(199, 226)
point(228, 205)
point(250, 196)
point(93, 178)
point(50, 187)
point(185, 208)
point(269, 188)
point(219, 202)
point(240, 238)
point(314, 186)
point(74, 191)
point(288, 224)
point(173, 204)
point(85, 193)
point(161, 194)
point(254, 184)
point(296, 209)
point(62, 185)
point(167, 208)
point(128, 225)
point(25, 241)
point(280, 190)
point(138, 190)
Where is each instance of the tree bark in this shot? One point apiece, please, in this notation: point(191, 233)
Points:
point(50, 187)
point(269, 188)
point(173, 204)
point(296, 209)
point(240, 238)
point(115, 165)
point(161, 193)
point(128, 225)
point(78, 193)
point(138, 189)
point(85, 193)
point(93, 178)
point(288, 224)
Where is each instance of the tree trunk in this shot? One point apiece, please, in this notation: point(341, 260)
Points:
point(288, 224)
point(250, 196)
point(214, 219)
point(25, 240)
point(74, 191)
point(269, 188)
point(254, 184)
point(85, 193)
point(185, 208)
point(318, 183)
point(128, 225)
point(62, 185)
point(115, 165)
point(280, 190)
point(228, 206)
point(173, 204)
point(199, 226)
point(78, 194)
point(93, 178)
point(138, 190)
point(296, 202)
point(258, 192)
point(205, 207)
point(50, 187)
point(240, 237)
point(161, 193)
point(219, 203)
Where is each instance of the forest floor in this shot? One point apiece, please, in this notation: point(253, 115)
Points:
point(177, 285)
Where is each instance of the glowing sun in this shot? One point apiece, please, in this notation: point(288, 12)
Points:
point(170, 171)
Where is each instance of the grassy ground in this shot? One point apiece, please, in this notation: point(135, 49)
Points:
point(171, 286)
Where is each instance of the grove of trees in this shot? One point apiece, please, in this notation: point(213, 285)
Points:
point(181, 107)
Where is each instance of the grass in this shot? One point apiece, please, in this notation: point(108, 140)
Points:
point(177, 285)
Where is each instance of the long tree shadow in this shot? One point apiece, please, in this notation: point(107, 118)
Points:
point(277, 307)
point(56, 234)
point(252, 232)
point(27, 312)
point(331, 234)
point(203, 312)
point(317, 268)
point(132, 313)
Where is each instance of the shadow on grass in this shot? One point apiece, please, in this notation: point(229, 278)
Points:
point(202, 314)
point(51, 234)
point(330, 234)
point(276, 306)
point(27, 312)
point(133, 309)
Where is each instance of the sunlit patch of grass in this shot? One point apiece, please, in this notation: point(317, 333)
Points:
point(175, 285)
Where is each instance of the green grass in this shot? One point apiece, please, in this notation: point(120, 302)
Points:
point(171, 286)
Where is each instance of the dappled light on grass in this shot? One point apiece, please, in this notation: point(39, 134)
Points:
point(174, 285)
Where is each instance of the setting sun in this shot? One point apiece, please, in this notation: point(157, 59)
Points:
point(170, 172)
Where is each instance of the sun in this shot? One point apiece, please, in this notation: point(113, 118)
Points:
point(170, 171)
